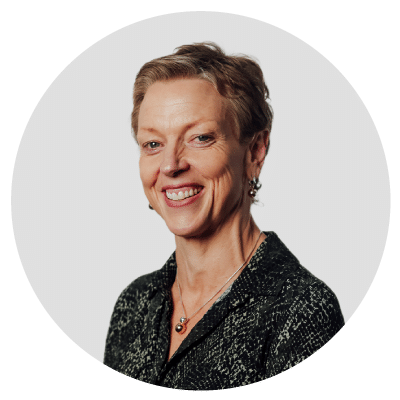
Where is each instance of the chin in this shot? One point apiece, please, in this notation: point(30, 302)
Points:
point(193, 229)
point(190, 221)
point(184, 230)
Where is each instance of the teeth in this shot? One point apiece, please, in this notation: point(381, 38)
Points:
point(182, 195)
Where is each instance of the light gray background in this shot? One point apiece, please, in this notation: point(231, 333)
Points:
point(81, 221)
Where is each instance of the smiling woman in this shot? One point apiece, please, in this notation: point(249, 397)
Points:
point(232, 305)
point(189, 144)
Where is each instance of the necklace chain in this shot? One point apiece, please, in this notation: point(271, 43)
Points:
point(180, 328)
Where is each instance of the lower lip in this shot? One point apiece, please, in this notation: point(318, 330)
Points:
point(182, 203)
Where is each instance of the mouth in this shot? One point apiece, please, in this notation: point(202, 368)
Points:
point(182, 193)
point(180, 196)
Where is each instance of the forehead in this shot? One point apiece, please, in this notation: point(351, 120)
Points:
point(180, 102)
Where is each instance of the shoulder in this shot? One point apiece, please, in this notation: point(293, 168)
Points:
point(301, 286)
point(281, 276)
point(131, 304)
point(300, 293)
point(311, 298)
point(310, 317)
point(122, 322)
point(137, 291)
point(143, 289)
point(303, 302)
point(297, 299)
point(306, 312)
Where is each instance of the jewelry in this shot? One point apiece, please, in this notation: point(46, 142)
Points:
point(255, 186)
point(181, 326)
point(151, 208)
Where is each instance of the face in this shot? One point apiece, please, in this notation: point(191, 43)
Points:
point(192, 166)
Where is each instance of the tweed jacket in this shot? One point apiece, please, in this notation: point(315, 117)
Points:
point(273, 316)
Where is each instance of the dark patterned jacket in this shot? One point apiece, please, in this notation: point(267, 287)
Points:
point(274, 315)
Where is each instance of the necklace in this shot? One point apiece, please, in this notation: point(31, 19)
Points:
point(181, 326)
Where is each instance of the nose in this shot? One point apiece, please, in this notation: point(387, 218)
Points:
point(173, 162)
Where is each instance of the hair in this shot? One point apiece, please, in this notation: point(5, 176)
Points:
point(238, 78)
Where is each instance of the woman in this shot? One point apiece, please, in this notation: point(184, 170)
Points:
point(232, 305)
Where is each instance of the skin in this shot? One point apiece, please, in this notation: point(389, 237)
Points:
point(187, 137)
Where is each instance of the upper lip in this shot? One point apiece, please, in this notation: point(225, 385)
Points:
point(180, 185)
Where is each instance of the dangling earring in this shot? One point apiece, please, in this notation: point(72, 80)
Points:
point(151, 208)
point(255, 186)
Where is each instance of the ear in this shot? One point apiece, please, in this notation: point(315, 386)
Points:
point(256, 153)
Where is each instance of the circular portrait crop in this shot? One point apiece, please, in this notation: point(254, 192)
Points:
point(198, 208)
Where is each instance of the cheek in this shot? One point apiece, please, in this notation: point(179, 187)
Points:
point(213, 166)
point(143, 173)
point(225, 171)
point(146, 173)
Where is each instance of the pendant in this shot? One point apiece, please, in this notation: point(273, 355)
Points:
point(181, 326)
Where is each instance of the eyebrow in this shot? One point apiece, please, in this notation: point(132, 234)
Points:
point(151, 130)
point(186, 128)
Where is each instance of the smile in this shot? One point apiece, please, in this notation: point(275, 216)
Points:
point(179, 194)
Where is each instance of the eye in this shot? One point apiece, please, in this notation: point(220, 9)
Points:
point(203, 139)
point(151, 145)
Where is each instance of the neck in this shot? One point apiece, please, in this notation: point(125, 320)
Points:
point(204, 264)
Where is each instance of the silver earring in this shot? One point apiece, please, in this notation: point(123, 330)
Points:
point(255, 186)
point(151, 208)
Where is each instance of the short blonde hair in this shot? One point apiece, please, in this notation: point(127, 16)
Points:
point(237, 78)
